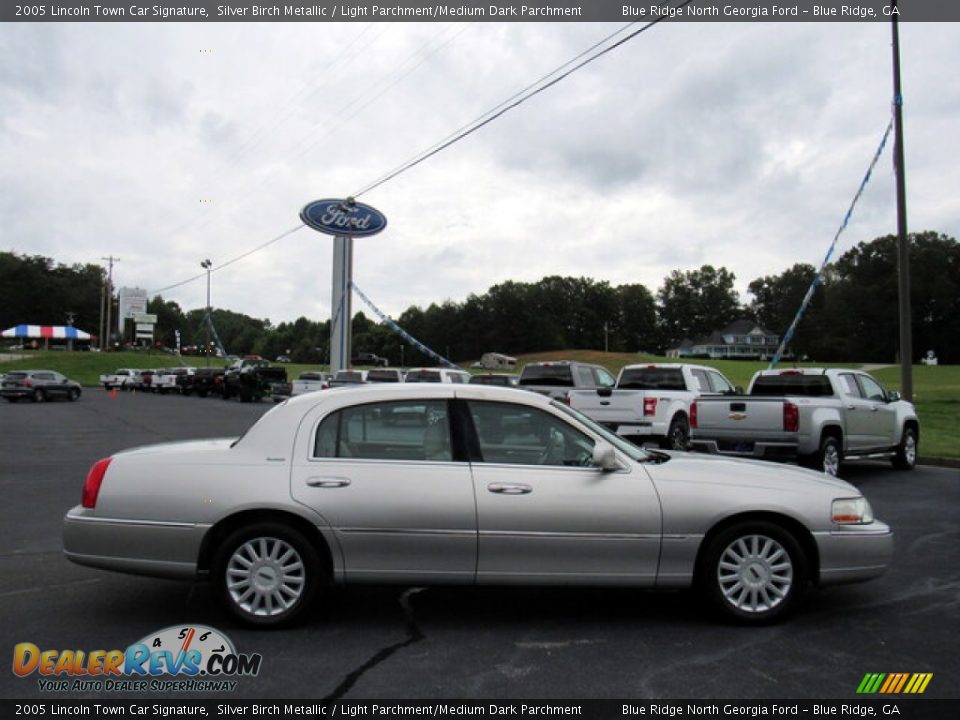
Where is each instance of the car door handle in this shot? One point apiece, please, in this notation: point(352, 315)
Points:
point(874, 408)
point(851, 407)
point(510, 488)
point(328, 482)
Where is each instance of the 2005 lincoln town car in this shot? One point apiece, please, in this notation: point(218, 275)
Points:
point(429, 484)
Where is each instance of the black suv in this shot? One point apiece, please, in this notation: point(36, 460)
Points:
point(38, 385)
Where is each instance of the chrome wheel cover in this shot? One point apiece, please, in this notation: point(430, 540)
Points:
point(831, 460)
point(755, 573)
point(910, 449)
point(265, 576)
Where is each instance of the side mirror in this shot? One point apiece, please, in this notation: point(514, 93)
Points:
point(604, 458)
point(892, 396)
point(738, 390)
point(604, 391)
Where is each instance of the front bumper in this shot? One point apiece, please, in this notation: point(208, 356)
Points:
point(854, 553)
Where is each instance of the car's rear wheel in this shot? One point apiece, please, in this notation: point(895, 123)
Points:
point(38, 395)
point(678, 436)
point(753, 572)
point(827, 459)
point(906, 456)
point(266, 574)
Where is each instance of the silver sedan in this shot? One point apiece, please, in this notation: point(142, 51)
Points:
point(473, 485)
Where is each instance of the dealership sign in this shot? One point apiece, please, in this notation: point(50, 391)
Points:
point(344, 218)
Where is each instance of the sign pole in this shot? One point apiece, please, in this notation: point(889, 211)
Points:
point(340, 325)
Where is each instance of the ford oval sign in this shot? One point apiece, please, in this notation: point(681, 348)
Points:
point(348, 218)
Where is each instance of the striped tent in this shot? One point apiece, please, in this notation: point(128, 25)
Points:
point(47, 332)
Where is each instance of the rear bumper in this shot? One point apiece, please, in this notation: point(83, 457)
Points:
point(759, 449)
point(854, 553)
point(140, 547)
point(16, 392)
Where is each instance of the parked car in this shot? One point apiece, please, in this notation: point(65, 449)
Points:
point(557, 378)
point(283, 359)
point(435, 483)
point(384, 375)
point(122, 379)
point(651, 401)
point(203, 382)
point(308, 381)
point(366, 358)
point(251, 379)
point(38, 385)
point(436, 375)
point(821, 417)
point(499, 379)
point(348, 377)
point(168, 380)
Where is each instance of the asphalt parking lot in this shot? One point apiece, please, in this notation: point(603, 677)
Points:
point(460, 642)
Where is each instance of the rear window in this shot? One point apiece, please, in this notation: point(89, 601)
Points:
point(311, 376)
point(652, 379)
point(423, 376)
point(803, 385)
point(349, 376)
point(382, 376)
point(555, 375)
point(502, 380)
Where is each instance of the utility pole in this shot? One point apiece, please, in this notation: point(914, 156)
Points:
point(111, 260)
point(206, 265)
point(903, 248)
point(606, 337)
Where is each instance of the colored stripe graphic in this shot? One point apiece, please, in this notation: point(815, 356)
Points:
point(894, 683)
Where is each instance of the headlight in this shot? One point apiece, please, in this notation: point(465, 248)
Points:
point(852, 511)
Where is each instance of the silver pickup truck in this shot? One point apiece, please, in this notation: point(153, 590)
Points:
point(651, 401)
point(819, 417)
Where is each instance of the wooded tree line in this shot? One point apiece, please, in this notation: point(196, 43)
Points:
point(853, 316)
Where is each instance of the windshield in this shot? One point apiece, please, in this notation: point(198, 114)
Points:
point(628, 448)
point(555, 375)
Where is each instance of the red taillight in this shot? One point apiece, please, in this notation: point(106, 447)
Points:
point(91, 487)
point(693, 416)
point(649, 406)
point(27, 383)
point(791, 417)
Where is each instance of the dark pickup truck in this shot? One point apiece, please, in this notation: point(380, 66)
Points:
point(203, 382)
point(251, 379)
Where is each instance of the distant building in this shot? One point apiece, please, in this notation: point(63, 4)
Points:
point(741, 339)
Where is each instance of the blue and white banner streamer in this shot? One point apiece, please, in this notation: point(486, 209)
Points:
point(788, 335)
point(400, 331)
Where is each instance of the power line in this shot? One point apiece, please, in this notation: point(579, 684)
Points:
point(483, 120)
point(514, 102)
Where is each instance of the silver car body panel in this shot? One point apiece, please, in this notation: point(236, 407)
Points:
point(443, 522)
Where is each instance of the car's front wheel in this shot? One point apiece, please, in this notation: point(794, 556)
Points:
point(73, 394)
point(266, 574)
point(754, 572)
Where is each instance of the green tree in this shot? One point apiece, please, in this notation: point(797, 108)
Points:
point(694, 303)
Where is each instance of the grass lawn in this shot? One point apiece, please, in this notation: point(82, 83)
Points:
point(936, 389)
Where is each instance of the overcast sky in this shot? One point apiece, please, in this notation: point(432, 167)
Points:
point(739, 145)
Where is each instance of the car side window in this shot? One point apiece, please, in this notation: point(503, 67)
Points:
point(585, 377)
point(605, 379)
point(521, 435)
point(719, 383)
point(456, 378)
point(871, 389)
point(703, 384)
point(849, 385)
point(417, 430)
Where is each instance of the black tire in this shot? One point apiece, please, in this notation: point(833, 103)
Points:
point(73, 395)
point(38, 395)
point(754, 572)
point(678, 436)
point(827, 459)
point(906, 456)
point(287, 585)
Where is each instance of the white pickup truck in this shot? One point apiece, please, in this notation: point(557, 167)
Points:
point(124, 379)
point(651, 402)
point(309, 381)
point(819, 416)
